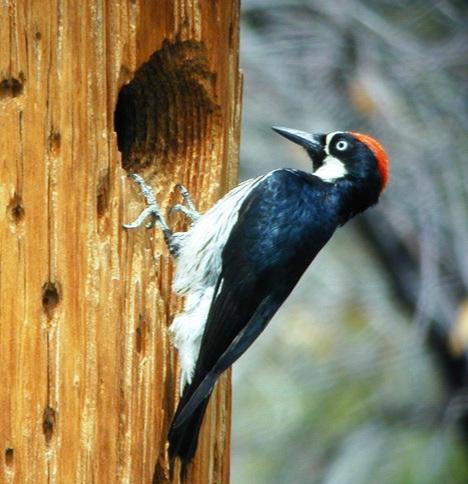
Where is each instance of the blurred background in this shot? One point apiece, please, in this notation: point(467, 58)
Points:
point(362, 376)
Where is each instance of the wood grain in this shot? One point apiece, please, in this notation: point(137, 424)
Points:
point(89, 373)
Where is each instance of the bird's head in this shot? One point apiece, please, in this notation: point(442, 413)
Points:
point(343, 155)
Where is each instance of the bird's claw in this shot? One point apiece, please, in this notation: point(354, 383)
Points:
point(188, 208)
point(152, 210)
point(145, 189)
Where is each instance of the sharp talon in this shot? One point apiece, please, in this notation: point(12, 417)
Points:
point(182, 190)
point(188, 208)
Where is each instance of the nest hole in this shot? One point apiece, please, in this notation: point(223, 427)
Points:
point(166, 108)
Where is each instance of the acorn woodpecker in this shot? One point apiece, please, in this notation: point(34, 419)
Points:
point(240, 260)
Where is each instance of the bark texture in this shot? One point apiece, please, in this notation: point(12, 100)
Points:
point(88, 92)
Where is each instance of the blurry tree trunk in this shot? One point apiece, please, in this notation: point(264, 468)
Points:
point(89, 377)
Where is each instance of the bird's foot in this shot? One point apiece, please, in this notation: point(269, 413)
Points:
point(154, 211)
point(188, 209)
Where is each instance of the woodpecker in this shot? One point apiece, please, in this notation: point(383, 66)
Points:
point(240, 260)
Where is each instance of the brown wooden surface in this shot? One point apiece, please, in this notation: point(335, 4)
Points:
point(89, 378)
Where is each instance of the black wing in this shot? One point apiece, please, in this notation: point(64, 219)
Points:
point(272, 243)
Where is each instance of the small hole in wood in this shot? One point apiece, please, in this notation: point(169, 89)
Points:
point(9, 456)
point(170, 102)
point(48, 423)
point(54, 143)
point(15, 208)
point(11, 87)
point(140, 334)
point(103, 194)
point(50, 298)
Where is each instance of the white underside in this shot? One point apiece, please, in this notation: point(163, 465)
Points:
point(198, 270)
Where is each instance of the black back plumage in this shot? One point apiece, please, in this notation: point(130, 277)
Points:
point(282, 225)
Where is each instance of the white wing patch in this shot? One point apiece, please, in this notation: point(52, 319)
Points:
point(198, 269)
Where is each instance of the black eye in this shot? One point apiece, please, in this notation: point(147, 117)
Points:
point(342, 145)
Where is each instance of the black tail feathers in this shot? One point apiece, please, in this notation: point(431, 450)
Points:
point(184, 438)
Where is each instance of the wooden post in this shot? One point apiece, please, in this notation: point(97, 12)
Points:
point(89, 91)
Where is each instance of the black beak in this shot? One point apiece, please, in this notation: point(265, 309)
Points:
point(312, 143)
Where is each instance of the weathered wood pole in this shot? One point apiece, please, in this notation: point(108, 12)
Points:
point(90, 91)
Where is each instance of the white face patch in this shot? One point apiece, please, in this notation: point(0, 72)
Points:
point(332, 167)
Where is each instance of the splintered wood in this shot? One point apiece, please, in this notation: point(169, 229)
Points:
point(90, 91)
